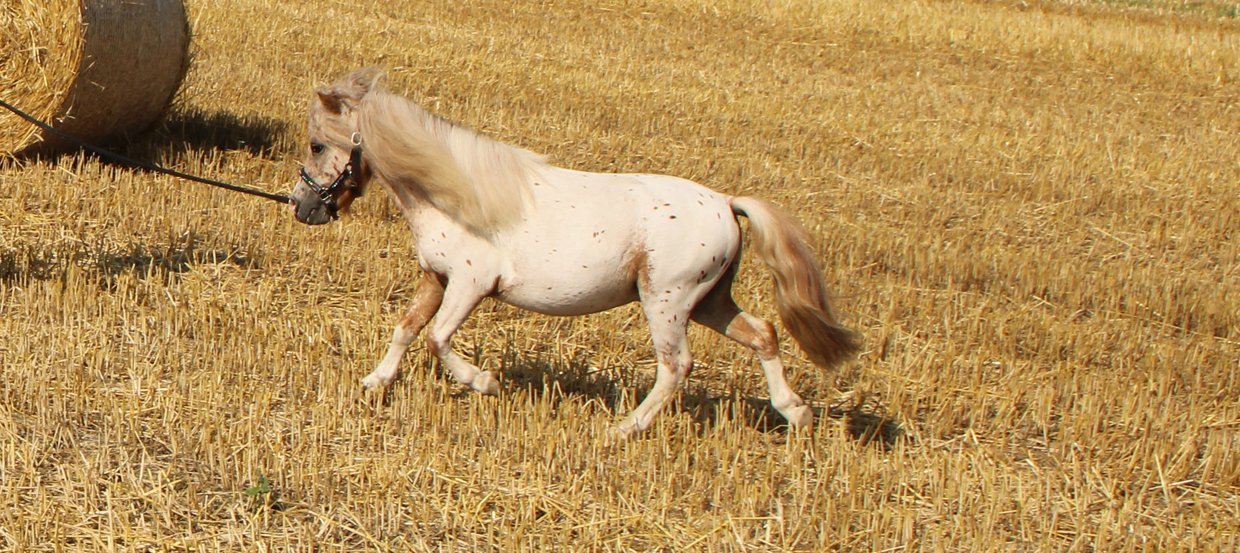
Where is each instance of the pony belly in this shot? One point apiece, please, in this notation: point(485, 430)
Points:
point(566, 297)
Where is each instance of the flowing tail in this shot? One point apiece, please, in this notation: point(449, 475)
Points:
point(800, 294)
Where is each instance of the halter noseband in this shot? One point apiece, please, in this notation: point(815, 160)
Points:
point(327, 194)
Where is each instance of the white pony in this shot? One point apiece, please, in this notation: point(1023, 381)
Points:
point(492, 220)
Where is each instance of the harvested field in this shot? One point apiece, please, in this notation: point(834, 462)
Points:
point(1031, 210)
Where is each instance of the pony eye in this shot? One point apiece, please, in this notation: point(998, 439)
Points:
point(316, 148)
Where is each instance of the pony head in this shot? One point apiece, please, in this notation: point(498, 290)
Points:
point(334, 173)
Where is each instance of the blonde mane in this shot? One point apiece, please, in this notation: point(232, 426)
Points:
point(481, 183)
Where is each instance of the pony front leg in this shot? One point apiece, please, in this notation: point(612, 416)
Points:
point(426, 302)
point(458, 302)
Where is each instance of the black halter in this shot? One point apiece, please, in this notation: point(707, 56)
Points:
point(327, 194)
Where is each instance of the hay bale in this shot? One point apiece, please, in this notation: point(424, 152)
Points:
point(98, 69)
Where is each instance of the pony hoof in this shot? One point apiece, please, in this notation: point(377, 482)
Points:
point(486, 383)
point(618, 434)
point(800, 416)
point(372, 381)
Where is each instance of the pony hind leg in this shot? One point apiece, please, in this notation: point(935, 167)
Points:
point(426, 301)
point(719, 312)
point(671, 344)
point(667, 306)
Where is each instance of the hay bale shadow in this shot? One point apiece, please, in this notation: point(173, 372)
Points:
point(180, 133)
point(198, 130)
point(142, 260)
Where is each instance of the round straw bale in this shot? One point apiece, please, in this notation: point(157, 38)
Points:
point(97, 69)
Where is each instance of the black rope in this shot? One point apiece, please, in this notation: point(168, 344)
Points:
point(142, 164)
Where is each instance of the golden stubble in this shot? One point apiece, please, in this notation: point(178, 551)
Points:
point(1029, 211)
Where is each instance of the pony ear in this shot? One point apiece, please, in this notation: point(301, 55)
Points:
point(331, 100)
point(349, 91)
point(362, 81)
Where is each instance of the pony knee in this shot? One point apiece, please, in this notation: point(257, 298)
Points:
point(401, 336)
point(681, 369)
point(675, 360)
point(435, 345)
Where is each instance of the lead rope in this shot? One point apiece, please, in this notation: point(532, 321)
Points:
point(107, 154)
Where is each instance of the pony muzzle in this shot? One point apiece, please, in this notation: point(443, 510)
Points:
point(314, 203)
point(310, 208)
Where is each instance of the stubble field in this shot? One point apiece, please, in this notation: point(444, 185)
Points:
point(1030, 210)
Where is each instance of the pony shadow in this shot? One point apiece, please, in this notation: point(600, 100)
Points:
point(864, 422)
point(865, 418)
point(16, 263)
point(539, 375)
point(536, 375)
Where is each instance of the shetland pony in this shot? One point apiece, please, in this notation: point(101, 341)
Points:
point(493, 220)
